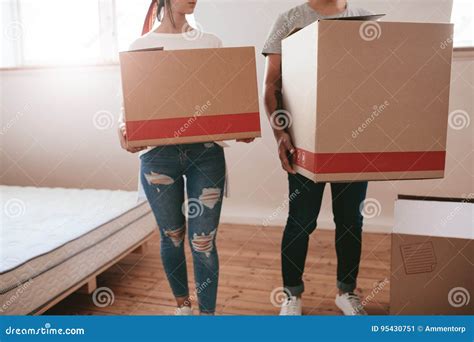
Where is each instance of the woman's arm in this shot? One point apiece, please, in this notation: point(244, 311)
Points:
point(122, 132)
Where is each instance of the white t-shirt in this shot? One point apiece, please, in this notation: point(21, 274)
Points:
point(298, 17)
point(177, 41)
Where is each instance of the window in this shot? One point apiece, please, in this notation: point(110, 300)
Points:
point(129, 16)
point(462, 18)
point(61, 32)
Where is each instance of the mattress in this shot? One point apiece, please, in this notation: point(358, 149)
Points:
point(52, 239)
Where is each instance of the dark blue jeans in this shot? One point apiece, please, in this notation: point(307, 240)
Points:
point(306, 198)
point(163, 173)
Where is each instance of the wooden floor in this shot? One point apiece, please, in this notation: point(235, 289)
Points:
point(250, 270)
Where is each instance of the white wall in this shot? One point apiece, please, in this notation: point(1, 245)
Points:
point(51, 135)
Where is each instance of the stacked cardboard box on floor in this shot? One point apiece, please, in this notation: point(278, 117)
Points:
point(432, 257)
point(368, 100)
point(189, 96)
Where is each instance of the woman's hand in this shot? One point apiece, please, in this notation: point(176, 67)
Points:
point(123, 142)
point(285, 149)
point(247, 141)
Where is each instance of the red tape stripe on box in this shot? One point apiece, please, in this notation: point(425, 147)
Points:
point(370, 162)
point(193, 126)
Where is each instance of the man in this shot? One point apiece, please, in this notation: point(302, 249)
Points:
point(304, 208)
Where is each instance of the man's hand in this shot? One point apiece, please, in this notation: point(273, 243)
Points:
point(123, 142)
point(285, 149)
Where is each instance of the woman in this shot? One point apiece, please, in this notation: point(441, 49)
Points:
point(163, 170)
point(304, 209)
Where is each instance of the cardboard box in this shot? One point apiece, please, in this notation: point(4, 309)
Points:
point(368, 100)
point(432, 257)
point(189, 96)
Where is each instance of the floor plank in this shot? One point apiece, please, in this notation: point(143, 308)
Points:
point(250, 271)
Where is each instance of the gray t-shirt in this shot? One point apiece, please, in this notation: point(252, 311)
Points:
point(299, 17)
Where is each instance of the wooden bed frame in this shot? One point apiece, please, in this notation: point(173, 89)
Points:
point(89, 284)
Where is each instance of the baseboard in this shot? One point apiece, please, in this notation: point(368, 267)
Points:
point(379, 225)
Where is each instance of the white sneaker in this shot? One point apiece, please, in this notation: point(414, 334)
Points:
point(350, 304)
point(184, 311)
point(292, 307)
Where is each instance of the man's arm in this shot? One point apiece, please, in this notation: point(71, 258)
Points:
point(273, 102)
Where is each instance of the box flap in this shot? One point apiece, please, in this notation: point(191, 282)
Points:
point(448, 219)
point(359, 17)
point(145, 50)
point(292, 32)
point(436, 199)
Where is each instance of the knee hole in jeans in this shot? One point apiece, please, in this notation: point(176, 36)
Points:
point(176, 235)
point(154, 178)
point(210, 197)
point(203, 243)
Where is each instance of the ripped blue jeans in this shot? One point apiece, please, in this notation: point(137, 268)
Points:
point(163, 174)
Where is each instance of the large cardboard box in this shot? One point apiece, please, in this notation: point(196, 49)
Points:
point(368, 100)
point(189, 96)
point(432, 257)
